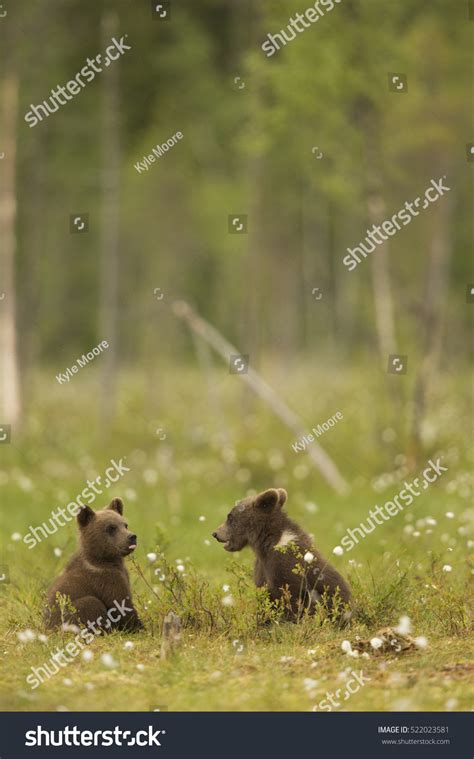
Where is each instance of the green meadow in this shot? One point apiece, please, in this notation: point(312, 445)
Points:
point(194, 444)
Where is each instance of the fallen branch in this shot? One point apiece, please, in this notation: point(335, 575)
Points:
point(317, 454)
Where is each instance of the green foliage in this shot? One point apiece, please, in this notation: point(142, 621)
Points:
point(244, 151)
point(242, 655)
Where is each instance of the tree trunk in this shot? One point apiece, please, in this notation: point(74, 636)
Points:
point(379, 262)
point(10, 399)
point(437, 275)
point(110, 223)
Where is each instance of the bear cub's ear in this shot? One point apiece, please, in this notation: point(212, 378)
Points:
point(85, 515)
point(116, 504)
point(283, 496)
point(267, 500)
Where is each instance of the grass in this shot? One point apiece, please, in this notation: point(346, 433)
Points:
point(220, 443)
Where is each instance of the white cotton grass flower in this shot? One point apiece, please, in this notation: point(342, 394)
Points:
point(311, 652)
point(180, 567)
point(286, 659)
point(108, 661)
point(140, 667)
point(341, 676)
point(16, 537)
point(62, 708)
point(67, 681)
point(449, 515)
point(26, 636)
point(202, 518)
point(87, 655)
point(447, 568)
point(89, 686)
point(69, 628)
point(128, 645)
point(431, 521)
point(309, 684)
point(57, 552)
point(376, 643)
point(151, 557)
point(404, 626)
point(43, 638)
point(308, 557)
point(150, 476)
point(25, 483)
point(451, 704)
point(421, 641)
point(346, 646)
point(338, 550)
point(207, 542)
point(228, 600)
point(226, 588)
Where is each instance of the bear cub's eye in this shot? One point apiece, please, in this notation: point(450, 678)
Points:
point(110, 529)
point(230, 518)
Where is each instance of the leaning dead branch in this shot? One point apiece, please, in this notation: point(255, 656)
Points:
point(321, 460)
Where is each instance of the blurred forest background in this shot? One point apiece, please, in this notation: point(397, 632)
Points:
point(246, 149)
point(314, 148)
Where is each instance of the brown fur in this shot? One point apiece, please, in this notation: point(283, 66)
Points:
point(260, 522)
point(96, 579)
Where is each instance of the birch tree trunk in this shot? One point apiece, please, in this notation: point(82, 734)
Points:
point(10, 398)
point(110, 223)
point(381, 287)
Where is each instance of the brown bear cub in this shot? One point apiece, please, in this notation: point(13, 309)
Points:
point(96, 580)
point(286, 562)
